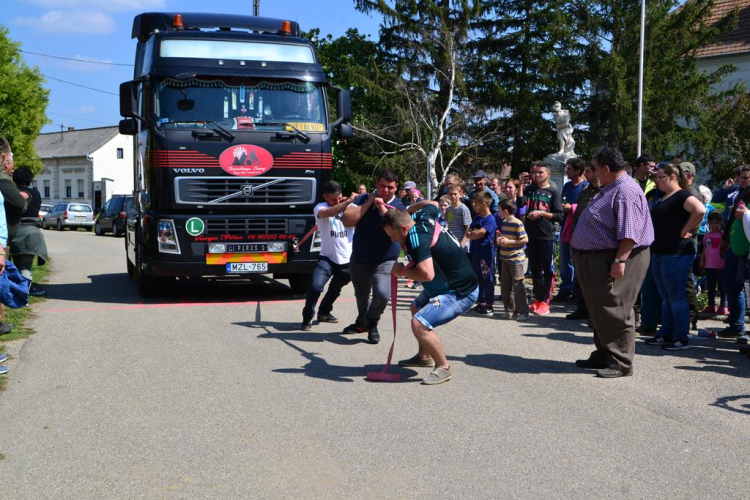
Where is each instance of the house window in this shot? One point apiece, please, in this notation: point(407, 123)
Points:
point(68, 189)
point(120, 153)
point(46, 189)
point(80, 188)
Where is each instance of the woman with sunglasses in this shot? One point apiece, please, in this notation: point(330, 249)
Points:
point(676, 215)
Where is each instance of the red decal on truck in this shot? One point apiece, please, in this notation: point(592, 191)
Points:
point(246, 160)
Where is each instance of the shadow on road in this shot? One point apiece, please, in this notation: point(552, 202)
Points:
point(118, 288)
point(737, 404)
point(518, 364)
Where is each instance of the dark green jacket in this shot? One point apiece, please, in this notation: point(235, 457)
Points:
point(15, 204)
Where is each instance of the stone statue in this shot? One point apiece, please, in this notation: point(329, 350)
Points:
point(564, 131)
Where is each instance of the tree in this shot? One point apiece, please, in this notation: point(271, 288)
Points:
point(676, 95)
point(432, 118)
point(23, 102)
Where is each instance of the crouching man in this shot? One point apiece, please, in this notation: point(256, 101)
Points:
point(450, 286)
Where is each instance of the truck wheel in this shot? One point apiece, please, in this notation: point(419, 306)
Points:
point(299, 283)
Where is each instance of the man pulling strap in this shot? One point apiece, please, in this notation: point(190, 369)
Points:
point(450, 287)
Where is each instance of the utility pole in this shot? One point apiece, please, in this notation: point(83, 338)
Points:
point(640, 78)
point(256, 8)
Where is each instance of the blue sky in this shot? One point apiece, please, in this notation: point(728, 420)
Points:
point(99, 30)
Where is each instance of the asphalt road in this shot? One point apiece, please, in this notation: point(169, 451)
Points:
point(213, 392)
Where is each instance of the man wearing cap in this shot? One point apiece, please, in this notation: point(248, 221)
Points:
point(688, 170)
point(480, 184)
point(611, 253)
point(408, 186)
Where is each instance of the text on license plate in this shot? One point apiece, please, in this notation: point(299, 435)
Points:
point(247, 267)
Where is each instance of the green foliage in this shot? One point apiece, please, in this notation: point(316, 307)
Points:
point(23, 102)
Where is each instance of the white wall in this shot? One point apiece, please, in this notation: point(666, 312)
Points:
point(107, 165)
point(741, 61)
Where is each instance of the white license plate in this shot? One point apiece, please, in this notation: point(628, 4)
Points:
point(247, 267)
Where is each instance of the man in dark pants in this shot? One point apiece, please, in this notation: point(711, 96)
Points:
point(610, 249)
point(373, 253)
point(335, 252)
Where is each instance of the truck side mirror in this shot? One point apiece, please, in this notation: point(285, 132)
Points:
point(129, 99)
point(344, 106)
point(345, 131)
point(128, 126)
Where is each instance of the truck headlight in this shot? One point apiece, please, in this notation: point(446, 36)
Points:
point(217, 248)
point(167, 237)
point(277, 247)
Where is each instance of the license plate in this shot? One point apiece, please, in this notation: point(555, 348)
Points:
point(247, 267)
point(247, 247)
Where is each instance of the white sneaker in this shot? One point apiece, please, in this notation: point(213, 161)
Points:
point(437, 376)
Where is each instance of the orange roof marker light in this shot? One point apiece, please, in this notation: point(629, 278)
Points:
point(286, 28)
point(177, 22)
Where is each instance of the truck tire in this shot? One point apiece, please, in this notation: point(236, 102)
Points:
point(299, 283)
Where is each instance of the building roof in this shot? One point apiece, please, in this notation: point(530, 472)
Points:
point(74, 143)
point(736, 41)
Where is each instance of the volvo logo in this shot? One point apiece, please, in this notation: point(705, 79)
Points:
point(247, 190)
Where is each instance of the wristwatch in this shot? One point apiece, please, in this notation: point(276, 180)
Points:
point(620, 261)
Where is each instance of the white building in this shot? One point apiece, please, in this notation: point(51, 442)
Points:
point(731, 48)
point(87, 165)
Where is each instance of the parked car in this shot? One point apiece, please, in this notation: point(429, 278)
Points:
point(65, 215)
point(43, 210)
point(113, 215)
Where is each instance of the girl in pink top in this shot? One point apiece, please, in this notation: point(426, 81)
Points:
point(713, 264)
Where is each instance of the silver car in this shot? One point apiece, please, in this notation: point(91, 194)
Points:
point(65, 215)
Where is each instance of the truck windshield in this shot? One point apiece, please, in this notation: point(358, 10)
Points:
point(239, 104)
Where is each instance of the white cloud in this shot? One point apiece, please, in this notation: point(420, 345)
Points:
point(101, 5)
point(69, 21)
point(86, 109)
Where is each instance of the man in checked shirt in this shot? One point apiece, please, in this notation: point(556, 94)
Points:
point(610, 248)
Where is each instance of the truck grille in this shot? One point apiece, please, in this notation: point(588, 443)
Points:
point(233, 191)
point(217, 227)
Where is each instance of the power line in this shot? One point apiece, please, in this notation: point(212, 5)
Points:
point(78, 118)
point(82, 86)
point(76, 60)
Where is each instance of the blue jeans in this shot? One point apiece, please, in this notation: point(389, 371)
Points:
point(671, 273)
point(483, 264)
point(567, 272)
point(650, 301)
point(436, 311)
point(541, 255)
point(735, 290)
point(322, 273)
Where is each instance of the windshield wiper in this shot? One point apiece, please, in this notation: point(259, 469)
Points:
point(221, 130)
point(297, 131)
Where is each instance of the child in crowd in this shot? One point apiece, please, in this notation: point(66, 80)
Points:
point(457, 215)
point(481, 233)
point(511, 241)
point(444, 203)
point(713, 264)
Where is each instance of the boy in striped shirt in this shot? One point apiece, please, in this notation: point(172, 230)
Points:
point(511, 241)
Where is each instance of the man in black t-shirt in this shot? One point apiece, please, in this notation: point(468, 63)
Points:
point(450, 286)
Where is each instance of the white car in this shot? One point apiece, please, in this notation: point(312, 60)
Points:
point(65, 215)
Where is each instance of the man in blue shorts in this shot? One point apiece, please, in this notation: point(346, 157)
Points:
point(450, 286)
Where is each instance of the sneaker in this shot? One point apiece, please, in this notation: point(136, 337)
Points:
point(483, 311)
point(522, 317)
point(722, 311)
point(373, 336)
point(743, 339)
point(709, 310)
point(37, 292)
point(437, 376)
point(658, 340)
point(417, 361)
point(533, 306)
point(505, 315)
point(730, 333)
point(5, 328)
point(4, 370)
point(677, 345)
point(354, 329)
point(542, 309)
point(306, 325)
point(327, 318)
point(3, 357)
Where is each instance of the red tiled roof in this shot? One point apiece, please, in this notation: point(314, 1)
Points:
point(736, 41)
